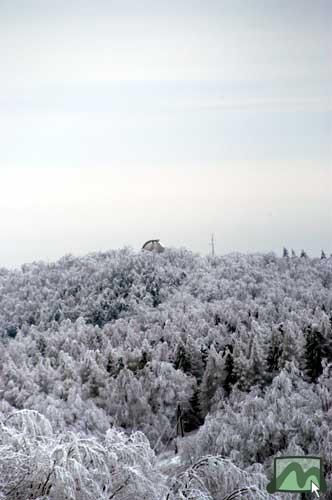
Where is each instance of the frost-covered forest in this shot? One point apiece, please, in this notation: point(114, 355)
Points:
point(104, 357)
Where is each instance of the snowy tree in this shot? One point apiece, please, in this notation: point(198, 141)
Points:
point(275, 350)
point(122, 339)
point(212, 379)
point(230, 377)
point(214, 477)
point(313, 353)
point(35, 463)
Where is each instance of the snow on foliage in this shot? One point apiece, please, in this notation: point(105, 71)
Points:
point(36, 463)
point(100, 356)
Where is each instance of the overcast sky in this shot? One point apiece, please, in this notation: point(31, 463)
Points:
point(126, 120)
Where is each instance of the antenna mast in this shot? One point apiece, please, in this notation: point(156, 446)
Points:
point(212, 244)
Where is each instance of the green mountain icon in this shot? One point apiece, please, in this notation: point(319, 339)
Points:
point(296, 474)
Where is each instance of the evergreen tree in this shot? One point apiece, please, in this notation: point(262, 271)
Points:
point(143, 361)
point(189, 359)
point(290, 349)
point(230, 376)
point(313, 353)
point(111, 362)
point(205, 352)
point(192, 417)
point(326, 330)
point(182, 359)
point(257, 364)
point(217, 319)
point(275, 351)
point(212, 379)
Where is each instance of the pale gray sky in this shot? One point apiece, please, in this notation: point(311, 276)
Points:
point(122, 121)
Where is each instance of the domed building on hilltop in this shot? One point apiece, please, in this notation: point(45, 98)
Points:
point(153, 246)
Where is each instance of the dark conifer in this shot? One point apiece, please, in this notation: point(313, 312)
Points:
point(182, 359)
point(230, 378)
point(275, 351)
point(313, 353)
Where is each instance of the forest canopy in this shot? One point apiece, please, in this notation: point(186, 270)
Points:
point(98, 353)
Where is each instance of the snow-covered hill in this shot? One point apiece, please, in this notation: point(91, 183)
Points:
point(236, 350)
